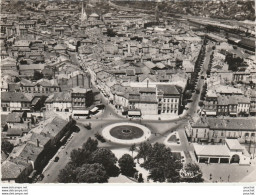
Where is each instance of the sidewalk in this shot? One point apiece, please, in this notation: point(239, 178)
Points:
point(155, 117)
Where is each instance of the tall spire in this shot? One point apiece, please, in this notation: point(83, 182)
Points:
point(83, 14)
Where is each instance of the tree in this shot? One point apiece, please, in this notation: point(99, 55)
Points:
point(90, 145)
point(92, 173)
point(132, 148)
point(38, 75)
point(233, 62)
point(160, 162)
point(107, 158)
point(7, 147)
point(188, 94)
point(178, 63)
point(140, 179)
point(144, 150)
point(68, 174)
point(111, 33)
point(201, 103)
point(80, 156)
point(126, 164)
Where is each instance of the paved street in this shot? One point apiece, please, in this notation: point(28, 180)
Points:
point(53, 169)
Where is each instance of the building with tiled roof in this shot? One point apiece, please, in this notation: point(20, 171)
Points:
point(217, 129)
point(44, 86)
point(15, 101)
point(8, 64)
point(33, 153)
point(59, 101)
point(235, 105)
point(39, 140)
point(15, 117)
point(14, 173)
point(169, 99)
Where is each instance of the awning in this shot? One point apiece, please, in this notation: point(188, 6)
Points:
point(62, 139)
point(211, 113)
point(80, 111)
point(94, 109)
point(134, 113)
point(35, 101)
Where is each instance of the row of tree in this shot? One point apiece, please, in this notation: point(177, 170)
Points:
point(204, 91)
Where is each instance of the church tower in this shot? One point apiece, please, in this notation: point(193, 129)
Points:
point(157, 13)
point(83, 14)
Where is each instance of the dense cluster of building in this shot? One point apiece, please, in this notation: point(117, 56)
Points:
point(53, 64)
point(33, 151)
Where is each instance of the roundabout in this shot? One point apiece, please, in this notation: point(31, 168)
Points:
point(126, 133)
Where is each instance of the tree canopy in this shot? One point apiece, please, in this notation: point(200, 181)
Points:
point(132, 148)
point(68, 174)
point(92, 173)
point(234, 63)
point(6, 147)
point(89, 164)
point(90, 145)
point(127, 165)
point(162, 165)
point(105, 157)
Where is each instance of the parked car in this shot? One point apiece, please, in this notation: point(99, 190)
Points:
point(56, 159)
point(88, 126)
point(40, 178)
point(99, 137)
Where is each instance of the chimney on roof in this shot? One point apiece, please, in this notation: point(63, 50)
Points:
point(37, 142)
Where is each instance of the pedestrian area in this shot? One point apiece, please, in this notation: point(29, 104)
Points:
point(228, 173)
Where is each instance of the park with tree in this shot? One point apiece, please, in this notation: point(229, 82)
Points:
point(91, 164)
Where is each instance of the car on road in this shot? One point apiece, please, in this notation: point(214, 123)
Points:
point(56, 159)
point(40, 177)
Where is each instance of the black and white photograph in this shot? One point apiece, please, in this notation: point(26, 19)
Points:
point(128, 92)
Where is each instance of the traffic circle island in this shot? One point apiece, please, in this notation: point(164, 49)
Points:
point(126, 133)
